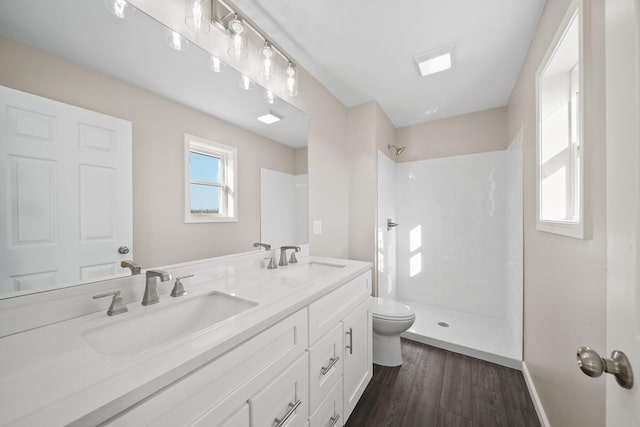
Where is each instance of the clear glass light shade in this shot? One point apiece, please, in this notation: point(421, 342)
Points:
point(268, 63)
point(198, 15)
point(175, 41)
point(237, 39)
point(215, 64)
point(246, 83)
point(269, 97)
point(120, 8)
point(291, 80)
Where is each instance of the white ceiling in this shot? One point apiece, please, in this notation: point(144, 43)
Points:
point(363, 50)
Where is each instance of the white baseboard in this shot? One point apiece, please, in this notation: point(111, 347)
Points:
point(542, 415)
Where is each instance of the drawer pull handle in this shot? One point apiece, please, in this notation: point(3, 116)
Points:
point(332, 362)
point(292, 408)
point(334, 420)
point(350, 346)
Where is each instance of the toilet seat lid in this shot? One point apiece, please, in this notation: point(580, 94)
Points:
point(388, 309)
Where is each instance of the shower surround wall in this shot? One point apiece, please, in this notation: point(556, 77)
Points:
point(459, 248)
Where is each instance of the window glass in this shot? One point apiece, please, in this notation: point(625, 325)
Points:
point(204, 167)
point(205, 199)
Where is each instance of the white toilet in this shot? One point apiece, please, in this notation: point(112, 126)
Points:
point(390, 319)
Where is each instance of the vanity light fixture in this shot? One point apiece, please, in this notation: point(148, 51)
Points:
point(245, 82)
point(435, 61)
point(215, 64)
point(291, 78)
point(241, 34)
point(237, 38)
point(269, 118)
point(175, 41)
point(120, 8)
point(198, 15)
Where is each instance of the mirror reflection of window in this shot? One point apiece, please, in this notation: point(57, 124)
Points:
point(205, 183)
point(559, 133)
point(209, 180)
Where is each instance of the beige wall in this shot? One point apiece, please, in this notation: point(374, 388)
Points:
point(160, 234)
point(564, 278)
point(465, 134)
point(361, 143)
point(301, 161)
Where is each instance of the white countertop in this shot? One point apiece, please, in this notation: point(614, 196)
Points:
point(51, 376)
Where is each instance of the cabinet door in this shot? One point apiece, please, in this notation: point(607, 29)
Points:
point(358, 365)
point(285, 401)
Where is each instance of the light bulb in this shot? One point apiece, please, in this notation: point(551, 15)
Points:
point(197, 15)
point(246, 83)
point(175, 40)
point(269, 97)
point(268, 64)
point(291, 77)
point(215, 64)
point(238, 39)
point(120, 8)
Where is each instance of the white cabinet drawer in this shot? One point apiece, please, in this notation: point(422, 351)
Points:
point(216, 390)
point(325, 313)
point(324, 354)
point(329, 414)
point(285, 400)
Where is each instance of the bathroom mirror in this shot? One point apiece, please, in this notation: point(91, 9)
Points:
point(77, 53)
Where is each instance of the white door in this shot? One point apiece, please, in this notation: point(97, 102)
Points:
point(65, 197)
point(623, 203)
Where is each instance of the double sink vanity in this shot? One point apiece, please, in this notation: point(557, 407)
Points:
point(245, 346)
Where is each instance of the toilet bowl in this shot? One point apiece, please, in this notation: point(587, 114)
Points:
point(390, 319)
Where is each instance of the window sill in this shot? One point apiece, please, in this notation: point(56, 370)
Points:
point(205, 219)
point(562, 228)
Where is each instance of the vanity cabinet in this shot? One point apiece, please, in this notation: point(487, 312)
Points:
point(309, 369)
point(358, 356)
point(341, 318)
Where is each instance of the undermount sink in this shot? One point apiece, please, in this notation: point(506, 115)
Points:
point(298, 274)
point(163, 324)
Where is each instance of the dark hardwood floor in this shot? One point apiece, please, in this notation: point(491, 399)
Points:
point(438, 388)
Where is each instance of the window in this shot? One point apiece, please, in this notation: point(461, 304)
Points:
point(559, 133)
point(210, 176)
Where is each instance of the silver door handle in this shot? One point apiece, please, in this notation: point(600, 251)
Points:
point(350, 346)
point(332, 362)
point(391, 224)
point(123, 250)
point(590, 362)
point(292, 408)
point(334, 420)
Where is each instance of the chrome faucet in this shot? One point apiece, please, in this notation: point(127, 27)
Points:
point(283, 255)
point(266, 246)
point(150, 289)
point(135, 268)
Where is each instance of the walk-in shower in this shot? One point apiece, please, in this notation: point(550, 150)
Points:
point(456, 256)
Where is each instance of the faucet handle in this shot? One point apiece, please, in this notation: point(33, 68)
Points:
point(292, 258)
point(272, 263)
point(178, 289)
point(117, 303)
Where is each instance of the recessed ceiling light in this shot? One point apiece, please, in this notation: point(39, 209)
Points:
point(434, 61)
point(269, 118)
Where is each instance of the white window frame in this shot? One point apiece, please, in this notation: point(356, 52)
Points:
point(570, 227)
point(228, 170)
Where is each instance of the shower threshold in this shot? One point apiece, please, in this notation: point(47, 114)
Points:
point(483, 337)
